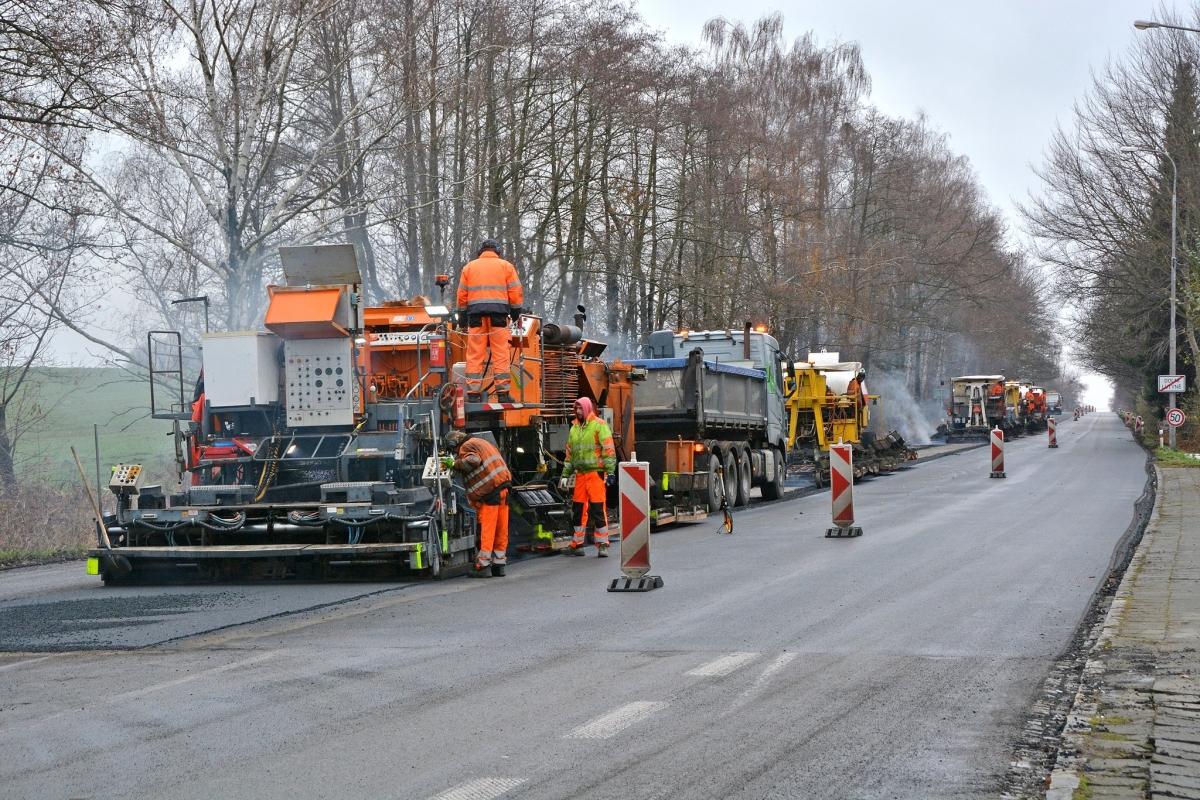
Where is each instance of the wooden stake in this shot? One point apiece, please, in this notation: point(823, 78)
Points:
point(95, 506)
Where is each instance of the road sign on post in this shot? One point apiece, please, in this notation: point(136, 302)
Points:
point(1176, 417)
point(1172, 384)
point(841, 481)
point(1052, 427)
point(633, 480)
point(997, 453)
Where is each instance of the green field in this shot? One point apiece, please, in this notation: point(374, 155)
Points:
point(64, 403)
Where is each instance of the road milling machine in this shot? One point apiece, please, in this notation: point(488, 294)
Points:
point(309, 450)
point(823, 408)
point(978, 403)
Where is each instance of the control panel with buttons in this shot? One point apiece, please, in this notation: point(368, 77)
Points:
point(321, 389)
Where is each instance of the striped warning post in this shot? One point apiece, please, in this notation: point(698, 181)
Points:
point(841, 481)
point(633, 481)
point(1138, 424)
point(997, 453)
point(1052, 428)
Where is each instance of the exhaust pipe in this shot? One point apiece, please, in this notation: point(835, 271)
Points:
point(554, 333)
point(746, 341)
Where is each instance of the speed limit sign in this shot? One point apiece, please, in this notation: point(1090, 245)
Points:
point(1175, 417)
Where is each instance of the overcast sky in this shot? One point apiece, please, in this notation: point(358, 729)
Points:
point(996, 76)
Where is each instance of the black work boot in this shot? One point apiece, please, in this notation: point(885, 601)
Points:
point(474, 397)
point(497, 570)
point(504, 397)
point(480, 573)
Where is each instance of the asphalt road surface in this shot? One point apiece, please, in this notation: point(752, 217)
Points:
point(774, 662)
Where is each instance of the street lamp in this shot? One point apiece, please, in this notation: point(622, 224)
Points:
point(1174, 216)
point(1143, 24)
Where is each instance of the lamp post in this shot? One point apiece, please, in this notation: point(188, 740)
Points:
point(1174, 217)
point(1143, 24)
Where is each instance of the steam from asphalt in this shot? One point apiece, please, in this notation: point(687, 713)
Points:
point(898, 410)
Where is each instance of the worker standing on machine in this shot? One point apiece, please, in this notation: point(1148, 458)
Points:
point(857, 389)
point(487, 480)
point(489, 293)
point(592, 459)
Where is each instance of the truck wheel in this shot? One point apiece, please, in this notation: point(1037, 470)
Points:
point(773, 489)
point(731, 477)
point(715, 486)
point(745, 477)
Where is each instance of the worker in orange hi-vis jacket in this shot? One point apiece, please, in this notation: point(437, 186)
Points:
point(487, 479)
point(592, 458)
point(489, 293)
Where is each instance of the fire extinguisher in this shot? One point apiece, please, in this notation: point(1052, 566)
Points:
point(460, 408)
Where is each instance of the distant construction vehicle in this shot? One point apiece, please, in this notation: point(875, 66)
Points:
point(827, 404)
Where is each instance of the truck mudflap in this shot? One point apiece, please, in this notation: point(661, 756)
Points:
point(669, 516)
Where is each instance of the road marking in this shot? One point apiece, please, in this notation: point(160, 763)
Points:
point(160, 686)
point(482, 789)
point(723, 665)
point(609, 725)
point(766, 675)
point(26, 661)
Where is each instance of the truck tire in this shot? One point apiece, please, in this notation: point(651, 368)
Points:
point(731, 477)
point(773, 488)
point(715, 487)
point(745, 476)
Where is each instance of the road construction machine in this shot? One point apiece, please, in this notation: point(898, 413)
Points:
point(828, 403)
point(977, 405)
point(310, 450)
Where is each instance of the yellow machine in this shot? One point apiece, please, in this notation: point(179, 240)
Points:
point(823, 409)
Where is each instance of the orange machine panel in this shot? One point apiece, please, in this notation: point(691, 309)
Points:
point(304, 313)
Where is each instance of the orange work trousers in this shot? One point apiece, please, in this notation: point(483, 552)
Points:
point(587, 503)
point(479, 341)
point(493, 533)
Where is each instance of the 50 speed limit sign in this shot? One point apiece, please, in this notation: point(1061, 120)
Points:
point(1175, 417)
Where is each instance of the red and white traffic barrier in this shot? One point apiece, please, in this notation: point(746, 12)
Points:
point(997, 453)
point(633, 481)
point(1052, 428)
point(841, 481)
point(1137, 425)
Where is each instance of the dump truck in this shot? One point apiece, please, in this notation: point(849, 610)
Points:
point(710, 419)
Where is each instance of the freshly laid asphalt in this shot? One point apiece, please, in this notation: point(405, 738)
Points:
point(773, 663)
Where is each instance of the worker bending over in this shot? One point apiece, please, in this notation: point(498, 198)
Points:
point(592, 459)
point(489, 293)
point(487, 481)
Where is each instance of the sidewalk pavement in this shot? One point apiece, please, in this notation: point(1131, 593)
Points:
point(1134, 729)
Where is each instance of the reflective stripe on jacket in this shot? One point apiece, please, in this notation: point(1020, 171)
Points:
point(489, 285)
point(590, 448)
point(483, 469)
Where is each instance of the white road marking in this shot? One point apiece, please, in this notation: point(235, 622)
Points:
point(723, 665)
point(165, 685)
point(481, 789)
point(26, 661)
point(608, 725)
point(766, 675)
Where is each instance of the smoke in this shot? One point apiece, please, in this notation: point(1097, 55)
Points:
point(899, 410)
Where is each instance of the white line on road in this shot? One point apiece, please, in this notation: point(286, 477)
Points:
point(766, 675)
point(608, 725)
point(165, 685)
point(724, 665)
point(482, 789)
point(26, 661)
